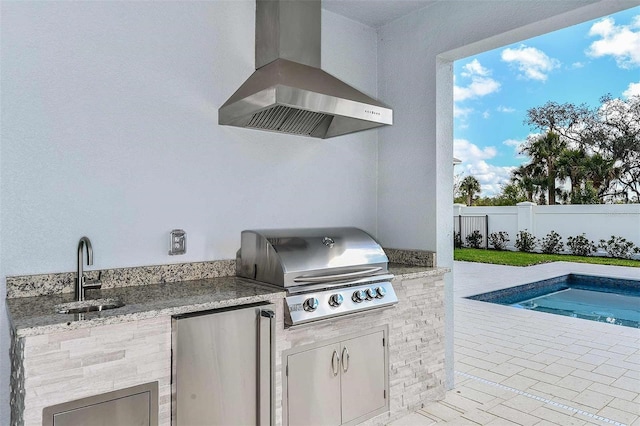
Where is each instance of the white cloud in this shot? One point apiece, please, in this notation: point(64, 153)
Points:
point(577, 65)
point(473, 158)
point(503, 108)
point(632, 90)
point(460, 112)
point(620, 41)
point(490, 177)
point(486, 115)
point(475, 68)
point(516, 144)
point(532, 63)
point(469, 152)
point(481, 84)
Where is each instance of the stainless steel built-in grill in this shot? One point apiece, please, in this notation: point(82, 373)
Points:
point(326, 272)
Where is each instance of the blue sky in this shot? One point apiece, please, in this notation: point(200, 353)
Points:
point(493, 90)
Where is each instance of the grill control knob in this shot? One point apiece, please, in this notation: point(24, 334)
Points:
point(335, 300)
point(380, 292)
point(310, 305)
point(371, 293)
point(359, 296)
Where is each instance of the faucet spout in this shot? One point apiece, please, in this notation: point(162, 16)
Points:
point(82, 244)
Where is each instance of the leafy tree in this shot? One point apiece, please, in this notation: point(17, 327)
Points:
point(469, 187)
point(600, 152)
point(586, 194)
point(613, 131)
point(565, 119)
point(510, 195)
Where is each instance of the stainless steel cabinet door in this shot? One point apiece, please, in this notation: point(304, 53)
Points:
point(313, 387)
point(363, 375)
point(131, 410)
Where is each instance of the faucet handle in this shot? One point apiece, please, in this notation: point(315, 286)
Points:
point(94, 283)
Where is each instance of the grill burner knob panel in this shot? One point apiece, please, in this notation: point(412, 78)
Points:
point(307, 307)
point(311, 304)
point(359, 296)
point(336, 300)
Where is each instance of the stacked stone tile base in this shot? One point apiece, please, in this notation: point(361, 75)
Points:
point(70, 365)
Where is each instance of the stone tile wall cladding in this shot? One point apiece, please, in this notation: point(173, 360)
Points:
point(416, 344)
point(65, 366)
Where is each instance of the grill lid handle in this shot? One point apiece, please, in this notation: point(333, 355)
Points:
point(325, 278)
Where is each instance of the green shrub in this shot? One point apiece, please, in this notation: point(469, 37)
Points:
point(474, 239)
point(618, 247)
point(498, 240)
point(525, 241)
point(551, 243)
point(581, 245)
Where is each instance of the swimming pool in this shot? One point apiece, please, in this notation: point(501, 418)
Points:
point(603, 299)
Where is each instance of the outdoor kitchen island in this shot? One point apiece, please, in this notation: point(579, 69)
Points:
point(58, 358)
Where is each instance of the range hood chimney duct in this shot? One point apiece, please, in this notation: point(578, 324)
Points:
point(288, 92)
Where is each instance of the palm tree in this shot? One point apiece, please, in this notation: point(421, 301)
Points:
point(543, 151)
point(528, 178)
point(469, 187)
point(572, 165)
point(601, 172)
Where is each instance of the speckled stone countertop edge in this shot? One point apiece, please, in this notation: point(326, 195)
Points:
point(142, 315)
point(223, 269)
point(411, 257)
point(409, 272)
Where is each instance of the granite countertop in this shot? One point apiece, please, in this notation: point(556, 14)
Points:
point(412, 271)
point(36, 315)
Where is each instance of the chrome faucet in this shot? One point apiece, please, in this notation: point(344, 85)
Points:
point(81, 282)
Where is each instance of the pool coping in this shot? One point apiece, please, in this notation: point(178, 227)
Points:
point(541, 287)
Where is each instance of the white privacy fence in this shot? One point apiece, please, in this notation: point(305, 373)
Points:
point(596, 221)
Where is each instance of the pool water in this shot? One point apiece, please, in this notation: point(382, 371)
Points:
point(587, 304)
point(603, 299)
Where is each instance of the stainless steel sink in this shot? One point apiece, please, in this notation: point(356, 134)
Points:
point(88, 306)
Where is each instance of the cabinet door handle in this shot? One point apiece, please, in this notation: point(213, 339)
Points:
point(335, 363)
point(345, 359)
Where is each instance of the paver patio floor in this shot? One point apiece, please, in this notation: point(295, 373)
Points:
point(520, 367)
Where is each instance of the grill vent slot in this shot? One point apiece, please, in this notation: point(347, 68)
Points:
point(286, 119)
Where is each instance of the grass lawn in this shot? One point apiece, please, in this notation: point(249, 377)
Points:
point(518, 258)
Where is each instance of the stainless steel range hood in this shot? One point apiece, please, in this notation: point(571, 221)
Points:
point(288, 92)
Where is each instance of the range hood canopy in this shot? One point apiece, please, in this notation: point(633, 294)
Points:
point(288, 92)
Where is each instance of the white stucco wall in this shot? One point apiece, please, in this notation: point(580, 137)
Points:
point(109, 129)
point(596, 221)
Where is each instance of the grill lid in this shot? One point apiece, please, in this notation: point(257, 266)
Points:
point(295, 257)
